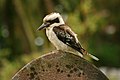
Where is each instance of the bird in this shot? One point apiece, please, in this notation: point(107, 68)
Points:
point(62, 36)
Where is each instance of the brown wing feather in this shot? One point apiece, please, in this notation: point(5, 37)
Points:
point(67, 36)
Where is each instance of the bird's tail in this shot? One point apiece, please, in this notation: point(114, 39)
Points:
point(90, 55)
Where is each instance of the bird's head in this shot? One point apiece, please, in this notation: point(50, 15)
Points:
point(53, 19)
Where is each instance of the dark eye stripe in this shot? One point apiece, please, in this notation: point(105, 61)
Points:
point(56, 20)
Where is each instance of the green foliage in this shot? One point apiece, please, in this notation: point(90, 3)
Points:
point(9, 68)
point(67, 4)
point(95, 21)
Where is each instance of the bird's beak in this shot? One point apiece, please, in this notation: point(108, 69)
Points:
point(43, 26)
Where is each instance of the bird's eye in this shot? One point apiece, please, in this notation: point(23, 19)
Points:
point(56, 20)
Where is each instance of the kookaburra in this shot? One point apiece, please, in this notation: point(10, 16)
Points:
point(61, 35)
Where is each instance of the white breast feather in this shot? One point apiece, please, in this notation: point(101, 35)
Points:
point(59, 44)
point(54, 40)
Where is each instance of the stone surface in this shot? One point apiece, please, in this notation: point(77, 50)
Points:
point(59, 65)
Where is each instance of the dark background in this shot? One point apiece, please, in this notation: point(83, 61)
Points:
point(97, 23)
